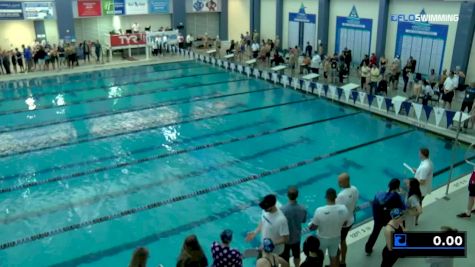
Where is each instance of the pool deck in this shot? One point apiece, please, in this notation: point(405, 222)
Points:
point(437, 211)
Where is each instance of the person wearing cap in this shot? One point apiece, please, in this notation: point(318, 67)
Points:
point(269, 257)
point(296, 215)
point(273, 224)
point(382, 204)
point(311, 249)
point(329, 220)
point(394, 226)
point(223, 254)
point(348, 196)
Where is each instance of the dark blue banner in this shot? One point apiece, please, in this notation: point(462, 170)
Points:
point(159, 6)
point(11, 10)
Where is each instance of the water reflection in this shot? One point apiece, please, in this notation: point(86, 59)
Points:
point(59, 101)
point(115, 92)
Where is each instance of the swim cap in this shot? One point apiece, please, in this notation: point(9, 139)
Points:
point(396, 213)
point(268, 245)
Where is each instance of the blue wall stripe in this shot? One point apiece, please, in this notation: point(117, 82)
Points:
point(381, 32)
point(464, 36)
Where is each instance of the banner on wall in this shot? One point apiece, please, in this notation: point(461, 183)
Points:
point(113, 7)
point(353, 33)
point(172, 37)
point(136, 7)
point(425, 42)
point(39, 10)
point(205, 6)
point(11, 10)
point(89, 8)
point(302, 28)
point(128, 39)
point(159, 6)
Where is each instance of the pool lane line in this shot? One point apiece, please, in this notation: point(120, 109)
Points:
point(21, 127)
point(53, 79)
point(191, 195)
point(101, 87)
point(168, 154)
point(106, 98)
point(191, 120)
point(138, 188)
point(134, 152)
point(97, 255)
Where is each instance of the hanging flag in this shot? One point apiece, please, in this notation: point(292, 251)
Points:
point(275, 78)
point(407, 107)
point(233, 67)
point(370, 100)
point(427, 111)
point(295, 83)
point(312, 86)
point(380, 100)
point(319, 89)
point(307, 86)
point(439, 112)
point(325, 89)
point(417, 110)
point(397, 106)
point(213, 60)
point(339, 92)
point(265, 75)
point(220, 62)
point(389, 103)
point(450, 117)
point(240, 68)
point(355, 96)
point(248, 71)
point(226, 64)
point(332, 91)
point(257, 73)
point(362, 96)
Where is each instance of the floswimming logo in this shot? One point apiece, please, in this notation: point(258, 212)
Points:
point(425, 18)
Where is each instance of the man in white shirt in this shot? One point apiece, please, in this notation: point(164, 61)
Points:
point(348, 196)
point(135, 27)
point(449, 87)
point(316, 61)
point(329, 220)
point(424, 173)
point(273, 224)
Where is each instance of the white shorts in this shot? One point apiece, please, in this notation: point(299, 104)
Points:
point(332, 244)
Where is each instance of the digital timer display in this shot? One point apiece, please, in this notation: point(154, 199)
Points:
point(426, 244)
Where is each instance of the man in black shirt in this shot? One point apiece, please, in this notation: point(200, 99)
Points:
point(308, 49)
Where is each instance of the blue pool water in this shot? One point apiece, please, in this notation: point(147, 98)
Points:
point(94, 165)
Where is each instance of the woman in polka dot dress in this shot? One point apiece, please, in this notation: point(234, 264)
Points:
point(223, 254)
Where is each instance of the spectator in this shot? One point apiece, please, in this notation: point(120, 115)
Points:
point(443, 261)
point(471, 195)
point(316, 62)
point(311, 249)
point(365, 60)
point(223, 255)
point(394, 226)
point(273, 224)
point(342, 69)
point(468, 101)
point(365, 73)
point(413, 64)
point(255, 49)
point(383, 203)
point(305, 64)
point(6, 62)
point(424, 173)
point(86, 51)
point(19, 59)
point(395, 72)
point(457, 75)
point(296, 215)
point(277, 60)
point(308, 50)
point(373, 60)
point(191, 254)
point(374, 78)
point(269, 257)
point(406, 73)
point(326, 68)
point(255, 36)
point(417, 90)
point(432, 78)
point(427, 92)
point(189, 41)
point(382, 86)
point(139, 258)
point(448, 90)
point(348, 196)
point(330, 220)
point(14, 61)
point(413, 203)
point(231, 49)
point(442, 79)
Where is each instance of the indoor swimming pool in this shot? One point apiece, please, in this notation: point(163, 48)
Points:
point(93, 165)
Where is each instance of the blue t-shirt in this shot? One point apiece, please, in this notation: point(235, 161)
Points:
point(469, 95)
